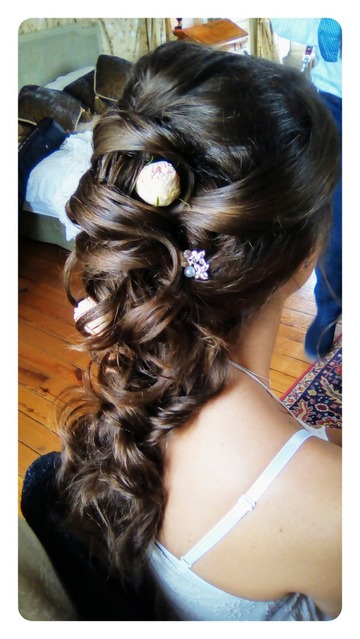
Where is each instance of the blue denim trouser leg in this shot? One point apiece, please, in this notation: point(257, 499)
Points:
point(328, 289)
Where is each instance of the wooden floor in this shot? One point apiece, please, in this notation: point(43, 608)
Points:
point(47, 364)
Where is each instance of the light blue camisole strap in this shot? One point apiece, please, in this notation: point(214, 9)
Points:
point(248, 501)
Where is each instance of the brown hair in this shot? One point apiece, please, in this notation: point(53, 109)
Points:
point(257, 156)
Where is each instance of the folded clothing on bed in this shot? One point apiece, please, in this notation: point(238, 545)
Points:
point(45, 138)
point(55, 179)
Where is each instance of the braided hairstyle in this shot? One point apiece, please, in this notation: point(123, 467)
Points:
point(257, 156)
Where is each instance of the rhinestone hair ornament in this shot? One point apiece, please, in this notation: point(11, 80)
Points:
point(158, 184)
point(195, 265)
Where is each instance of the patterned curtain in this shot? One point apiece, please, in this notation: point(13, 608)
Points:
point(130, 38)
point(158, 30)
point(127, 38)
point(264, 44)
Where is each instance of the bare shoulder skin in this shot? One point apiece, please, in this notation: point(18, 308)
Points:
point(291, 541)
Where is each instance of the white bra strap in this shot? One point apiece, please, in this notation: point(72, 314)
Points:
point(248, 501)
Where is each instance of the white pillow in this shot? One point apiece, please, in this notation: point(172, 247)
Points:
point(63, 80)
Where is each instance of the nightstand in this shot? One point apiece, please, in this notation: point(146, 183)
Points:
point(222, 33)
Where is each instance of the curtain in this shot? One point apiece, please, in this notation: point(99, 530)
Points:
point(264, 44)
point(130, 38)
point(127, 38)
point(158, 30)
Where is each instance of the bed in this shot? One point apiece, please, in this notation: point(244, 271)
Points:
point(65, 83)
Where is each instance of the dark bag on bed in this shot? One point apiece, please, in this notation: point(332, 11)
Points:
point(46, 137)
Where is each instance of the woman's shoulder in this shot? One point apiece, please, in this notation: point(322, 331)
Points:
point(291, 540)
point(217, 459)
point(312, 490)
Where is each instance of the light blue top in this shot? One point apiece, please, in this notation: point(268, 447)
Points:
point(326, 76)
point(184, 596)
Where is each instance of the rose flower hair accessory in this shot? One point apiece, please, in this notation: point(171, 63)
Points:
point(158, 183)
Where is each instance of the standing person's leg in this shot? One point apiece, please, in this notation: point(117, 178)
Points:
point(328, 289)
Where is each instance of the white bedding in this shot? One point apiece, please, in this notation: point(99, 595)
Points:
point(63, 80)
point(54, 179)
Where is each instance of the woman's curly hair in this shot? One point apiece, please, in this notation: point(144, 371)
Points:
point(257, 155)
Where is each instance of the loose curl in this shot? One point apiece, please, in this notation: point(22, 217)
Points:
point(257, 155)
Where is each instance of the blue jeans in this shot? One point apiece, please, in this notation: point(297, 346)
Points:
point(328, 288)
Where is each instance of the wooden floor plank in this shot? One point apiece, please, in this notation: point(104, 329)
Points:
point(48, 364)
point(37, 436)
point(293, 318)
point(53, 345)
point(280, 382)
point(37, 407)
point(54, 305)
point(47, 323)
point(42, 384)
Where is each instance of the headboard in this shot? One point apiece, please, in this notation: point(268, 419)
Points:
point(49, 53)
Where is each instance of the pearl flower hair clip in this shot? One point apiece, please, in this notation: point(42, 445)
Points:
point(195, 265)
point(158, 183)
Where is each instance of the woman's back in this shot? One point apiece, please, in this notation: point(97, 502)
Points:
point(279, 549)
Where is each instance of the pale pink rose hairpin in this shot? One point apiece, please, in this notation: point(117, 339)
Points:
point(158, 183)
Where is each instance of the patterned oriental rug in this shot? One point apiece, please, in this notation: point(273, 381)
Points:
point(316, 397)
